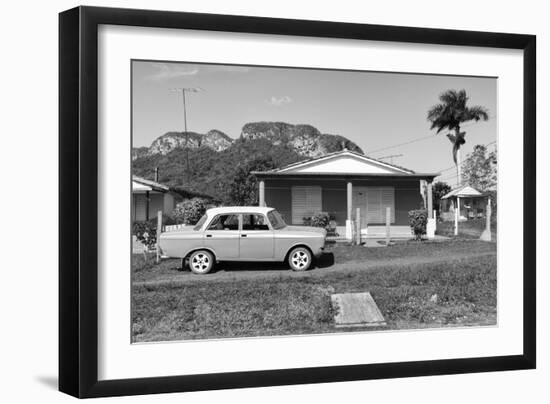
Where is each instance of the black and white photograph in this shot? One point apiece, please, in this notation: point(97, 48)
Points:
point(275, 201)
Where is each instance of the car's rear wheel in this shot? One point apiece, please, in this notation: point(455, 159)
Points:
point(299, 259)
point(201, 262)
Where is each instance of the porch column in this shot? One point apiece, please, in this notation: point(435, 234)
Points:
point(262, 193)
point(147, 205)
point(349, 199)
point(429, 197)
point(349, 221)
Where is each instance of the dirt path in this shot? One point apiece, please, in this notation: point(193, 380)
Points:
point(253, 271)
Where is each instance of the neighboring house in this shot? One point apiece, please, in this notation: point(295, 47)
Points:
point(148, 197)
point(471, 202)
point(339, 183)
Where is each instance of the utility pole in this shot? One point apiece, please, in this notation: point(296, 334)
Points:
point(184, 90)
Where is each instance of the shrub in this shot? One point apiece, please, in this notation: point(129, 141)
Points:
point(146, 232)
point(418, 219)
point(190, 210)
point(324, 220)
point(321, 219)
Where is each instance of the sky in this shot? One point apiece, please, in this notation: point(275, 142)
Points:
point(376, 110)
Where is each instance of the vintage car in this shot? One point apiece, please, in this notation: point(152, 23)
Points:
point(243, 233)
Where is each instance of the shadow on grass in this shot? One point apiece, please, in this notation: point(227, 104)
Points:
point(324, 261)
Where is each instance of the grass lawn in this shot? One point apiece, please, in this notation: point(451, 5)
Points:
point(470, 229)
point(416, 285)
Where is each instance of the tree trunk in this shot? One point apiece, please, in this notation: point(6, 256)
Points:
point(458, 161)
point(458, 171)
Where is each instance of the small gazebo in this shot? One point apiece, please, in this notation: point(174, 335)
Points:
point(463, 203)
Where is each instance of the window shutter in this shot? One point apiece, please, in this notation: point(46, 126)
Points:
point(387, 196)
point(140, 207)
point(306, 202)
point(378, 198)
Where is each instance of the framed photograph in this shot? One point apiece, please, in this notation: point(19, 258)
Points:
point(251, 201)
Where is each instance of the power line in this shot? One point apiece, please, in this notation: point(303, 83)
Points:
point(400, 144)
point(419, 138)
point(451, 177)
point(465, 160)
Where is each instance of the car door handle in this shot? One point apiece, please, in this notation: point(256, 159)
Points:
point(243, 235)
point(209, 235)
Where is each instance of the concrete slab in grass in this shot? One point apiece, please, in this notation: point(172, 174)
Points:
point(356, 310)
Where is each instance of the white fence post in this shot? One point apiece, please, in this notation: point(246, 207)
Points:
point(457, 215)
point(159, 230)
point(486, 234)
point(388, 219)
point(358, 226)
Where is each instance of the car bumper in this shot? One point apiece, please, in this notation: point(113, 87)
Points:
point(319, 252)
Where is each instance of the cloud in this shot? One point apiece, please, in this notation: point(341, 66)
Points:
point(229, 68)
point(166, 71)
point(279, 101)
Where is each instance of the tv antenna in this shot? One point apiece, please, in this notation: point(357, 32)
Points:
point(391, 157)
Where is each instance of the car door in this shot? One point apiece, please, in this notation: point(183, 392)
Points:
point(256, 238)
point(222, 236)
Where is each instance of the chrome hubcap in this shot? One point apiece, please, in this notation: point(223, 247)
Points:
point(300, 259)
point(200, 262)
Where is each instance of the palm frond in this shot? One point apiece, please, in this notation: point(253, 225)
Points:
point(452, 111)
point(477, 113)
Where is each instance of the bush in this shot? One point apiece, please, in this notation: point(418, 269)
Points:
point(322, 219)
point(418, 220)
point(190, 210)
point(146, 230)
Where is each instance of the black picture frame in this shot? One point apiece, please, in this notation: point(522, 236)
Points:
point(78, 206)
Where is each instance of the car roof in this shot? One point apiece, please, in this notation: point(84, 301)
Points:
point(239, 209)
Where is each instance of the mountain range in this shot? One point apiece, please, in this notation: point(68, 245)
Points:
point(214, 157)
point(306, 140)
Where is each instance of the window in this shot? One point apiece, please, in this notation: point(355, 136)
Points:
point(200, 223)
point(378, 198)
point(225, 222)
point(306, 202)
point(276, 220)
point(254, 222)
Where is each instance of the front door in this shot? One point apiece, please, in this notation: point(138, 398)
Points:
point(256, 238)
point(222, 236)
point(373, 202)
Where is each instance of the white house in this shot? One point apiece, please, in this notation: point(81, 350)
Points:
point(148, 197)
point(339, 183)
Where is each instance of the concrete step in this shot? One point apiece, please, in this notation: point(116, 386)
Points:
point(380, 232)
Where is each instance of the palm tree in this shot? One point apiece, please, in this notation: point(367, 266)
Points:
point(450, 114)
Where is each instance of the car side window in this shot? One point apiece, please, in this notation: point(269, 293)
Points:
point(225, 222)
point(254, 222)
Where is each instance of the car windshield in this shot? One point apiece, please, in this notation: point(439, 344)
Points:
point(276, 220)
point(200, 223)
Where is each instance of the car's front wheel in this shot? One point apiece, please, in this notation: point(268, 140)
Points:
point(201, 262)
point(299, 259)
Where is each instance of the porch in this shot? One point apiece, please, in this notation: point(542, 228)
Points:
point(350, 187)
point(343, 198)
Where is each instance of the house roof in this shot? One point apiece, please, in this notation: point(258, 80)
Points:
point(344, 162)
point(142, 185)
point(465, 191)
